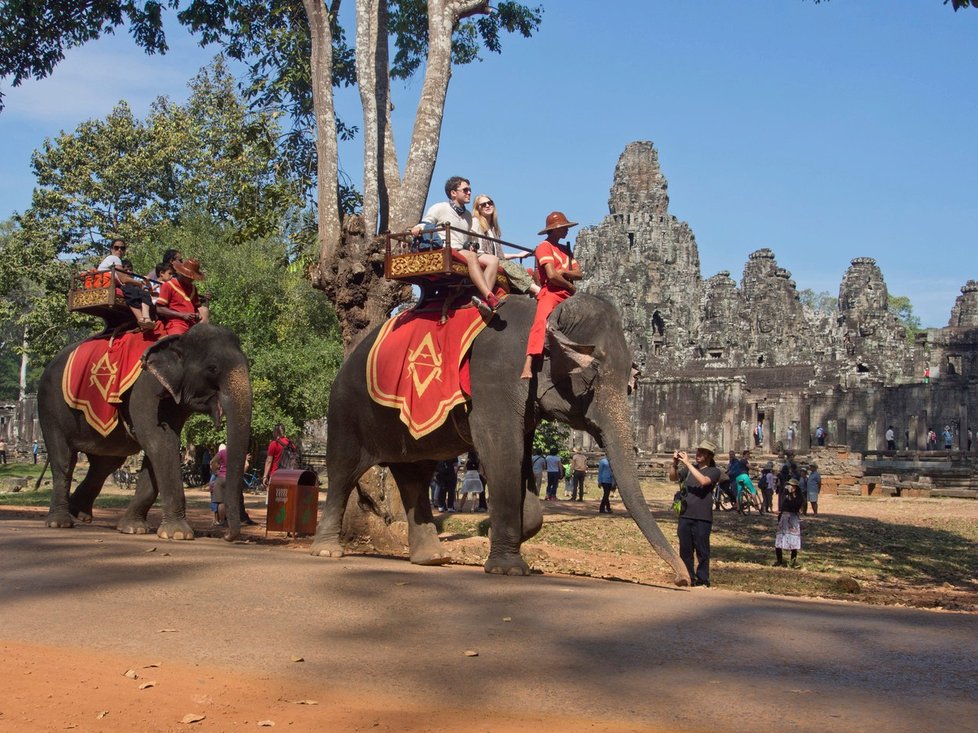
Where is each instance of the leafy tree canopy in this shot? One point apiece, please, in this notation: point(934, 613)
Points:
point(204, 178)
point(288, 330)
point(823, 302)
point(552, 436)
point(902, 308)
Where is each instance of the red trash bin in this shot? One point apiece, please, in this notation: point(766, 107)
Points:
point(292, 502)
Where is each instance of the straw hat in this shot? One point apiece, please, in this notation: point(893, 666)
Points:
point(188, 268)
point(707, 445)
point(557, 220)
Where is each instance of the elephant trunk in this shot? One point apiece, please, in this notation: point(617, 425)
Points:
point(618, 442)
point(236, 404)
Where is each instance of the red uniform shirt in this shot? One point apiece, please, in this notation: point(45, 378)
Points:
point(548, 298)
point(561, 260)
point(174, 297)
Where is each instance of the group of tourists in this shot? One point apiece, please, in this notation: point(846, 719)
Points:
point(797, 488)
point(281, 453)
point(552, 282)
point(457, 479)
point(170, 287)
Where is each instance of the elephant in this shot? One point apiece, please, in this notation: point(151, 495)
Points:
point(203, 370)
point(584, 382)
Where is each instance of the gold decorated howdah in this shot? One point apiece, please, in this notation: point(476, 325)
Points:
point(94, 293)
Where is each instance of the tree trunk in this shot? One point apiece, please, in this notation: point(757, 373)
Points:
point(351, 261)
point(23, 368)
point(327, 158)
point(443, 17)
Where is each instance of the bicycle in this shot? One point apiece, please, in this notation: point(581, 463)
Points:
point(252, 482)
point(748, 497)
point(124, 478)
point(190, 472)
point(722, 499)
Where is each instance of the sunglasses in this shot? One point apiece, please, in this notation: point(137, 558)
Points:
point(486, 203)
point(122, 248)
point(464, 190)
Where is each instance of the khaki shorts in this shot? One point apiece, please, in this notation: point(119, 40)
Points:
point(220, 484)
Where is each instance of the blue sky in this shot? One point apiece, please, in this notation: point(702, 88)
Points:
point(824, 132)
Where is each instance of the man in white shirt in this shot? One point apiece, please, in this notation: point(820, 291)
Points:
point(454, 213)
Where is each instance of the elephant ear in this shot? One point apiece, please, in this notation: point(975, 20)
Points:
point(164, 360)
point(568, 358)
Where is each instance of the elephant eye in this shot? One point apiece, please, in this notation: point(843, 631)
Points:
point(212, 369)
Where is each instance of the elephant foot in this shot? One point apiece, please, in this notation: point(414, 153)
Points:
point(59, 520)
point(85, 517)
point(231, 535)
point(132, 525)
point(175, 530)
point(507, 565)
point(428, 557)
point(326, 549)
point(682, 580)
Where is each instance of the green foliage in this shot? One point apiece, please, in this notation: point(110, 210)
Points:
point(287, 329)
point(408, 24)
point(35, 35)
point(902, 308)
point(552, 435)
point(138, 179)
point(823, 302)
point(126, 177)
point(273, 40)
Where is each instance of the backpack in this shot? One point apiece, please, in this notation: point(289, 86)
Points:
point(291, 456)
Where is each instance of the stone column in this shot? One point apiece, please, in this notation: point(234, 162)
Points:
point(913, 427)
point(803, 435)
point(684, 439)
point(922, 427)
point(841, 432)
point(963, 426)
point(728, 441)
point(880, 428)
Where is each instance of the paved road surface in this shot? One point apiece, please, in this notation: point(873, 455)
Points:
point(606, 655)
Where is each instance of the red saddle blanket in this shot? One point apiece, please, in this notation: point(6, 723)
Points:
point(99, 371)
point(419, 365)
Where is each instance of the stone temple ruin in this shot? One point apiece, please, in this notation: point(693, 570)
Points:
point(717, 356)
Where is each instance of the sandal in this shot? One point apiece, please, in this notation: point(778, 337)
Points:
point(484, 308)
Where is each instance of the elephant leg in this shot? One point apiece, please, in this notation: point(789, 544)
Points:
point(169, 484)
point(413, 480)
point(343, 472)
point(63, 460)
point(501, 455)
point(134, 520)
point(532, 514)
point(532, 508)
point(82, 499)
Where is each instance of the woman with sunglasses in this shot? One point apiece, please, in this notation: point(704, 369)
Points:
point(482, 266)
point(133, 290)
point(485, 220)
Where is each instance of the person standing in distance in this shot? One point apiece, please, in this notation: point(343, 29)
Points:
point(275, 450)
point(696, 515)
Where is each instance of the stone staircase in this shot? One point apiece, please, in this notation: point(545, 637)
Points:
point(926, 473)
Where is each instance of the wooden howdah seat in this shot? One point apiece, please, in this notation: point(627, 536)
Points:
point(432, 264)
point(95, 293)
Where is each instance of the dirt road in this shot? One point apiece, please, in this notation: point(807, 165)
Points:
point(384, 645)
